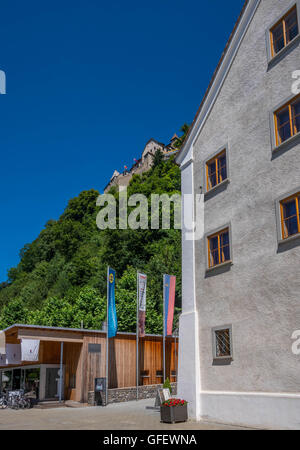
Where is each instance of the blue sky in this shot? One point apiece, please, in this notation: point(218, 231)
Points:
point(88, 84)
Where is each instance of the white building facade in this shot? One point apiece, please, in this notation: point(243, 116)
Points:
point(240, 168)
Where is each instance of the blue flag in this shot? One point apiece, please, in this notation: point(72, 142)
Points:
point(112, 313)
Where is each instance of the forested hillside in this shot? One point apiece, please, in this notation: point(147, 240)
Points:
point(61, 277)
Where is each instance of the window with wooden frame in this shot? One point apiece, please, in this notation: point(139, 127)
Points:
point(285, 30)
point(287, 120)
point(216, 170)
point(218, 248)
point(290, 216)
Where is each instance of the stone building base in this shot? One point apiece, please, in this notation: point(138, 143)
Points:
point(120, 395)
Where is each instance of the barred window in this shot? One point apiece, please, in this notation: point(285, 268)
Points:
point(284, 31)
point(222, 342)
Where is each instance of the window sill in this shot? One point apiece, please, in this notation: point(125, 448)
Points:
point(218, 186)
point(283, 51)
point(287, 143)
point(222, 361)
point(219, 266)
point(221, 358)
point(289, 239)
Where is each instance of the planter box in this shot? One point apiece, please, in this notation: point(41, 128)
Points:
point(173, 414)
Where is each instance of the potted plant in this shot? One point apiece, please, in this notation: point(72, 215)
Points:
point(174, 410)
point(167, 385)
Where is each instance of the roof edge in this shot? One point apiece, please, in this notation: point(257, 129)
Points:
point(247, 12)
point(85, 330)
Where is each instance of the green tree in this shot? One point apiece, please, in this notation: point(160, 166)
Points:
point(55, 312)
point(14, 312)
point(61, 277)
point(90, 308)
point(184, 129)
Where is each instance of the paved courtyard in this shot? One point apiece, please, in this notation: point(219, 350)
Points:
point(122, 416)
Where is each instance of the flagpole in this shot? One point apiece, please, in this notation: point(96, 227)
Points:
point(175, 365)
point(164, 333)
point(106, 386)
point(137, 335)
point(175, 357)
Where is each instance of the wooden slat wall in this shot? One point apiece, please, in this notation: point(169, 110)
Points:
point(73, 366)
point(122, 362)
point(49, 335)
point(93, 365)
point(50, 352)
point(122, 355)
point(173, 359)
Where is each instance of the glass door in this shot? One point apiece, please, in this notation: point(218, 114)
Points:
point(16, 379)
point(6, 380)
point(31, 382)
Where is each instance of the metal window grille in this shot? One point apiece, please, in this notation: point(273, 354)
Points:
point(223, 344)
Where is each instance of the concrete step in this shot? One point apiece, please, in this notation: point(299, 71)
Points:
point(73, 404)
point(49, 405)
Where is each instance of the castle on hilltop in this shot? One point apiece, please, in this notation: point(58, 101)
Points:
point(144, 163)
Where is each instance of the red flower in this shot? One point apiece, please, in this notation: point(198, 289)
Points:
point(174, 402)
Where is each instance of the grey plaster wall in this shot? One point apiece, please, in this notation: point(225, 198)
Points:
point(260, 293)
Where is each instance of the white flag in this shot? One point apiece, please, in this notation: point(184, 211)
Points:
point(30, 349)
point(13, 353)
point(2, 343)
point(142, 289)
point(2, 359)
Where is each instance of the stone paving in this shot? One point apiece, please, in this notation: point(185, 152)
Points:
point(121, 416)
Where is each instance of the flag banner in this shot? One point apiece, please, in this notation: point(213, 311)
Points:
point(2, 343)
point(112, 313)
point(142, 290)
point(169, 296)
point(13, 353)
point(30, 350)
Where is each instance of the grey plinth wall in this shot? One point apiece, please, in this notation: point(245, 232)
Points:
point(128, 394)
